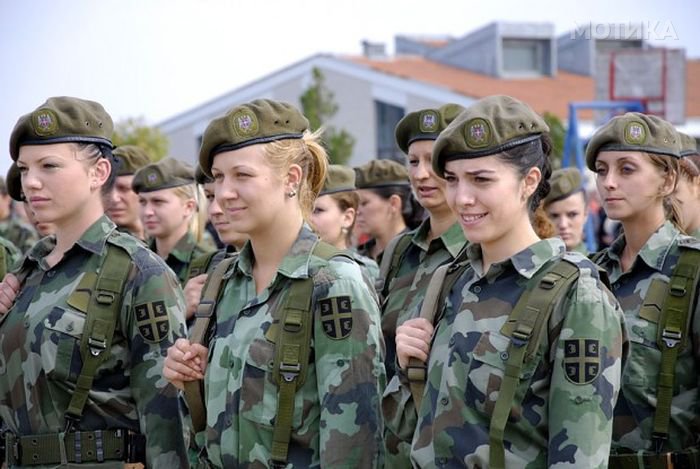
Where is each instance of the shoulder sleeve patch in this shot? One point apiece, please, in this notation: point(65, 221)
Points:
point(152, 321)
point(581, 360)
point(336, 316)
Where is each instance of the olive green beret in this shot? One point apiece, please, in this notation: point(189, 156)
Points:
point(14, 183)
point(259, 121)
point(339, 178)
point(165, 174)
point(563, 182)
point(62, 119)
point(489, 126)
point(424, 125)
point(634, 131)
point(131, 159)
point(688, 145)
point(380, 173)
point(200, 177)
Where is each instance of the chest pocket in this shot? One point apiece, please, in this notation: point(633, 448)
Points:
point(60, 349)
point(259, 393)
point(488, 365)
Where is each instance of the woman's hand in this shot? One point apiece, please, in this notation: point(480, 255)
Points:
point(9, 288)
point(185, 362)
point(193, 293)
point(413, 340)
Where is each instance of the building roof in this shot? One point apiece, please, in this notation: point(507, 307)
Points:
point(544, 94)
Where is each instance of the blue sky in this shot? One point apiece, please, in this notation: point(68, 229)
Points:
point(157, 58)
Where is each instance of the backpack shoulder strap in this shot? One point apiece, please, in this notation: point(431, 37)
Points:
point(101, 321)
point(673, 332)
point(200, 264)
point(4, 255)
point(391, 259)
point(292, 352)
point(194, 395)
point(525, 326)
point(440, 285)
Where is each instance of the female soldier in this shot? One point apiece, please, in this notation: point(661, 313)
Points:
point(387, 207)
point(293, 373)
point(169, 204)
point(566, 208)
point(636, 160)
point(335, 210)
point(205, 264)
point(123, 202)
point(81, 349)
point(411, 258)
point(501, 389)
point(688, 190)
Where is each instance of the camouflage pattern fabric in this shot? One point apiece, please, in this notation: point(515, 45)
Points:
point(558, 417)
point(19, 233)
point(581, 249)
point(40, 357)
point(337, 419)
point(405, 293)
point(634, 413)
point(12, 254)
point(182, 254)
point(368, 266)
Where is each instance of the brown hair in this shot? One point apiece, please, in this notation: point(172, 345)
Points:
point(346, 200)
point(534, 154)
point(309, 154)
point(670, 167)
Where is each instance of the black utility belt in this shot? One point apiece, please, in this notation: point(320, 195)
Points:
point(626, 459)
point(75, 447)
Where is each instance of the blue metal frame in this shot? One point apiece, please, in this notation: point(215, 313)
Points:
point(574, 144)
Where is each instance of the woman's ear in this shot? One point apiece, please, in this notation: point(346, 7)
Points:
point(530, 182)
point(396, 203)
point(294, 178)
point(348, 218)
point(100, 172)
point(670, 181)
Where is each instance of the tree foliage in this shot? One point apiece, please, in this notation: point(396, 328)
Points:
point(134, 131)
point(318, 105)
point(558, 134)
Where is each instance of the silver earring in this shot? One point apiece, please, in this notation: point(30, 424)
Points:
point(291, 193)
point(344, 230)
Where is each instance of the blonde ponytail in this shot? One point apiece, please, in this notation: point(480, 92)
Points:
point(198, 220)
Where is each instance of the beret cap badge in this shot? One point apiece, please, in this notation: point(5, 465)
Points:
point(245, 123)
point(635, 133)
point(429, 121)
point(45, 122)
point(478, 133)
point(152, 178)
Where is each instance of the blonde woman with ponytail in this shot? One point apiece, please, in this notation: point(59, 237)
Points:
point(636, 158)
point(267, 170)
point(688, 190)
point(169, 203)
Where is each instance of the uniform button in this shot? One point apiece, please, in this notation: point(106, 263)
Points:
point(504, 356)
point(340, 362)
point(442, 461)
point(444, 401)
point(69, 327)
point(578, 399)
point(452, 340)
point(26, 324)
point(616, 286)
point(477, 289)
point(51, 273)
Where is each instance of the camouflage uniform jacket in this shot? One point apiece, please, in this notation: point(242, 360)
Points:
point(40, 357)
point(337, 418)
point(368, 266)
point(19, 233)
point(581, 248)
point(12, 254)
point(634, 413)
point(182, 254)
point(554, 419)
point(406, 289)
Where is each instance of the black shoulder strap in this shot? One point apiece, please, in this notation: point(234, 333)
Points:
point(391, 260)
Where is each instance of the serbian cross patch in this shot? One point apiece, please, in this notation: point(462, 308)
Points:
point(336, 316)
point(581, 360)
point(152, 321)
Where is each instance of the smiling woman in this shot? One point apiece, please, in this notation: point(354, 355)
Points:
point(495, 393)
point(83, 345)
point(296, 326)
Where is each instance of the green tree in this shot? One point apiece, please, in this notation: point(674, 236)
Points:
point(134, 131)
point(318, 104)
point(558, 134)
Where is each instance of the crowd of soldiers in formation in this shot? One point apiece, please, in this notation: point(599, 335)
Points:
point(267, 309)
